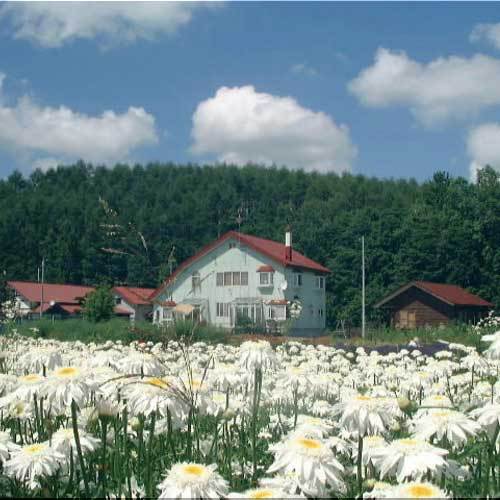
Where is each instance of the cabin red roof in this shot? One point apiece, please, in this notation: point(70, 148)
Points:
point(451, 294)
point(272, 249)
point(52, 292)
point(134, 295)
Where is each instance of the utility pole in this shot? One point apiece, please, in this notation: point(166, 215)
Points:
point(363, 324)
point(41, 301)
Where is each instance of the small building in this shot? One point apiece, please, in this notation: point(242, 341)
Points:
point(243, 279)
point(134, 302)
point(51, 298)
point(422, 304)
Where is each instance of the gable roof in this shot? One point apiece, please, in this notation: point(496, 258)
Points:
point(52, 292)
point(272, 249)
point(134, 295)
point(453, 295)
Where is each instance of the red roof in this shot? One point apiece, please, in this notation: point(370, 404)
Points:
point(69, 308)
point(451, 294)
point(67, 294)
point(134, 295)
point(269, 248)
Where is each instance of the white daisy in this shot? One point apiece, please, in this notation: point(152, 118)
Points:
point(33, 461)
point(409, 459)
point(312, 461)
point(191, 480)
point(445, 423)
point(6, 446)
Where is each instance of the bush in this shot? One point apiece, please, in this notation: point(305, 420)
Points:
point(99, 305)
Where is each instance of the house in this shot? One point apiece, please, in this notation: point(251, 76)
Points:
point(53, 299)
point(422, 303)
point(243, 278)
point(134, 301)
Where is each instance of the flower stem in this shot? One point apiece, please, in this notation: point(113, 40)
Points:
point(74, 421)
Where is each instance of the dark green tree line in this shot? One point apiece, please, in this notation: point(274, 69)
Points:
point(446, 229)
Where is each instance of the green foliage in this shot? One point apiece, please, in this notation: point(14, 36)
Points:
point(119, 329)
point(446, 229)
point(458, 333)
point(99, 305)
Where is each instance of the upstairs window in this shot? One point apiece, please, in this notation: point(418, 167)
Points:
point(237, 278)
point(219, 280)
point(244, 278)
point(228, 281)
point(266, 279)
point(320, 282)
point(297, 279)
point(196, 280)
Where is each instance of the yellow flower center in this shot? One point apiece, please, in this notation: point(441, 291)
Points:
point(33, 449)
point(32, 377)
point(194, 469)
point(261, 494)
point(69, 371)
point(311, 444)
point(361, 397)
point(420, 491)
point(158, 382)
point(408, 442)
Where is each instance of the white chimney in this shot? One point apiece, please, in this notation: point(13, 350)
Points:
point(288, 244)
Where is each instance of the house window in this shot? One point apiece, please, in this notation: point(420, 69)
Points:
point(320, 312)
point(232, 245)
point(222, 310)
point(320, 282)
point(266, 278)
point(118, 300)
point(228, 279)
point(236, 278)
point(244, 278)
point(297, 279)
point(195, 280)
point(219, 279)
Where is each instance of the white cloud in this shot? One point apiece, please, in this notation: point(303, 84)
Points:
point(241, 125)
point(304, 69)
point(51, 24)
point(47, 163)
point(483, 146)
point(489, 33)
point(445, 88)
point(30, 129)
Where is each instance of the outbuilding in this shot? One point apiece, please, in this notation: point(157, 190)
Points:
point(419, 304)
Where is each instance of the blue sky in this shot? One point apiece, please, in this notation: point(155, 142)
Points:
point(383, 89)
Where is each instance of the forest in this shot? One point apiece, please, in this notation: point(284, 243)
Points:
point(133, 225)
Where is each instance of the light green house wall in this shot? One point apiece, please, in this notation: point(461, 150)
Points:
point(233, 256)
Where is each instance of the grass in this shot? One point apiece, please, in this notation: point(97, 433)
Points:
point(118, 329)
point(459, 333)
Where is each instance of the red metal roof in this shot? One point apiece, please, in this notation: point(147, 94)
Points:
point(269, 248)
point(134, 295)
point(67, 294)
point(453, 294)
